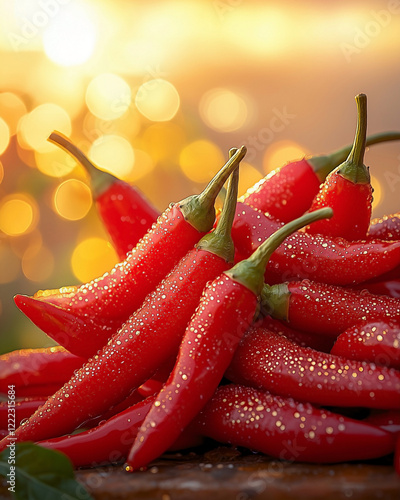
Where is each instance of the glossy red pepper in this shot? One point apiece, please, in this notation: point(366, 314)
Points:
point(147, 340)
point(347, 190)
point(82, 320)
point(19, 411)
point(330, 260)
point(376, 341)
point(286, 193)
point(106, 443)
point(304, 339)
point(325, 309)
point(37, 369)
point(125, 212)
point(226, 310)
point(385, 228)
point(289, 430)
point(272, 362)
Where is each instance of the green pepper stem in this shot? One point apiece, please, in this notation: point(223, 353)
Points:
point(250, 272)
point(220, 241)
point(356, 155)
point(324, 164)
point(100, 181)
point(199, 209)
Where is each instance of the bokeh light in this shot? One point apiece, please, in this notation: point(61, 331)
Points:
point(248, 176)
point(12, 108)
point(108, 96)
point(223, 110)
point(55, 163)
point(163, 140)
point(143, 166)
point(36, 126)
point(9, 264)
point(70, 37)
point(37, 264)
point(280, 153)
point(18, 214)
point(378, 191)
point(1, 172)
point(200, 160)
point(91, 258)
point(113, 154)
point(158, 100)
point(4, 136)
point(72, 199)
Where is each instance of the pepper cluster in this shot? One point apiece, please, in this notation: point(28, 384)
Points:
point(282, 338)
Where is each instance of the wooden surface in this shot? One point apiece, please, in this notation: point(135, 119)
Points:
point(223, 473)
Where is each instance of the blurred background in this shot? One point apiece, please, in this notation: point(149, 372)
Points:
point(157, 92)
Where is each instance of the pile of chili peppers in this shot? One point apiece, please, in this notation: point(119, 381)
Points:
point(281, 338)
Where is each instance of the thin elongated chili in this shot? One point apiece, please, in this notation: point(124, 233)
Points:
point(148, 339)
point(227, 308)
point(124, 210)
point(81, 321)
point(272, 362)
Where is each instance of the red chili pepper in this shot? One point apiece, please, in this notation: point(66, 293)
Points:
point(227, 308)
point(21, 410)
point(148, 339)
point(110, 441)
point(272, 362)
point(347, 190)
point(37, 368)
point(330, 260)
point(385, 228)
point(125, 212)
point(106, 443)
point(325, 309)
point(286, 193)
point(376, 341)
point(289, 430)
point(112, 298)
point(304, 339)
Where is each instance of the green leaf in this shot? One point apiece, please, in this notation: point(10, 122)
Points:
point(36, 473)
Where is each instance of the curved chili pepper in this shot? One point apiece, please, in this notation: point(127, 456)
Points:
point(148, 339)
point(39, 368)
point(347, 190)
point(325, 309)
point(330, 260)
point(115, 296)
point(304, 339)
point(106, 443)
point(286, 429)
point(376, 341)
point(286, 193)
point(385, 228)
point(227, 308)
point(269, 361)
point(125, 212)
